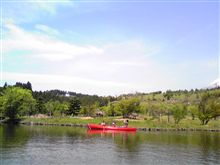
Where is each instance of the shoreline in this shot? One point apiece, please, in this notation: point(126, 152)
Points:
point(138, 129)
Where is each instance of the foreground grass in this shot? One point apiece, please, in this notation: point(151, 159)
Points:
point(142, 123)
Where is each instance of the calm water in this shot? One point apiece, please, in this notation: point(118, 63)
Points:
point(67, 145)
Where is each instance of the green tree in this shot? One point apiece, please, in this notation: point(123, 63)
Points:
point(168, 111)
point(63, 108)
point(16, 102)
point(117, 109)
point(179, 112)
point(84, 111)
point(75, 107)
point(40, 106)
point(29, 86)
point(130, 106)
point(157, 110)
point(112, 109)
point(5, 85)
point(51, 106)
point(168, 95)
point(144, 107)
point(89, 110)
point(209, 108)
point(24, 85)
point(193, 110)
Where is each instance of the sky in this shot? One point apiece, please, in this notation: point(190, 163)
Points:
point(110, 47)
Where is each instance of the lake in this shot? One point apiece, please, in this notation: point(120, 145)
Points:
point(70, 145)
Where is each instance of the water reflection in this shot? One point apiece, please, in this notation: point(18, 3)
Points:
point(123, 139)
point(105, 132)
point(13, 136)
point(64, 145)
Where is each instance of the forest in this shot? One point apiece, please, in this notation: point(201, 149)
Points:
point(19, 100)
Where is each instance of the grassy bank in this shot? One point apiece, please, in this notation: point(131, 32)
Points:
point(143, 123)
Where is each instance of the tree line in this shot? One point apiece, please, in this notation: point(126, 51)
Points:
point(20, 100)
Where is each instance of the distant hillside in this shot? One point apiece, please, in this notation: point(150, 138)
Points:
point(180, 96)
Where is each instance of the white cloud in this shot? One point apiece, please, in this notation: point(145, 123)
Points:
point(82, 85)
point(131, 48)
point(126, 63)
point(110, 69)
point(101, 70)
point(46, 29)
point(44, 47)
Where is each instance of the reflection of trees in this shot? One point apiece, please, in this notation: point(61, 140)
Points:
point(17, 136)
point(127, 141)
point(208, 142)
point(57, 131)
point(124, 140)
point(54, 133)
point(205, 142)
point(13, 136)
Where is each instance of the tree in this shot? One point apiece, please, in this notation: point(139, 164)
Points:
point(84, 111)
point(29, 86)
point(129, 106)
point(92, 109)
point(168, 95)
point(63, 108)
point(75, 107)
point(117, 109)
point(179, 112)
point(16, 101)
point(40, 107)
point(193, 110)
point(157, 110)
point(167, 110)
point(56, 108)
point(209, 107)
point(51, 106)
point(23, 85)
point(112, 109)
point(5, 85)
point(144, 107)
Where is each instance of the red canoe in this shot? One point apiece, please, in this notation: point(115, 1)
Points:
point(116, 128)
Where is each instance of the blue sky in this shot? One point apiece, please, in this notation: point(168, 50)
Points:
point(110, 48)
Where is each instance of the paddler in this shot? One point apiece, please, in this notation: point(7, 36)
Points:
point(103, 123)
point(126, 123)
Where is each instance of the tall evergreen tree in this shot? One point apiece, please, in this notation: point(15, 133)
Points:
point(75, 106)
point(29, 86)
point(40, 107)
point(5, 85)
